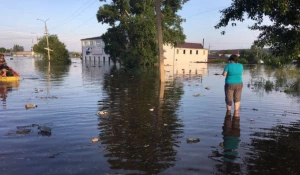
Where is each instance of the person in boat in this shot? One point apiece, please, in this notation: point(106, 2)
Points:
point(4, 69)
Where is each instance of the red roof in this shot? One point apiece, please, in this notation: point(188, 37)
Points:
point(93, 38)
point(190, 45)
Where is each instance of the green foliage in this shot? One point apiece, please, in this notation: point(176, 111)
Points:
point(269, 86)
point(2, 50)
point(254, 54)
point(59, 53)
point(243, 61)
point(18, 48)
point(218, 61)
point(282, 35)
point(131, 38)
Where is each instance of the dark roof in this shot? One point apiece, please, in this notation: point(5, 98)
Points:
point(212, 56)
point(97, 37)
point(191, 45)
point(229, 52)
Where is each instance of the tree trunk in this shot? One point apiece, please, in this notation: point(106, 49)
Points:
point(160, 40)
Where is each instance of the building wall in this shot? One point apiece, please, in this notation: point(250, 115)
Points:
point(94, 49)
point(183, 60)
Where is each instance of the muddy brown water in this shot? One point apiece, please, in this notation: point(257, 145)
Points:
point(147, 124)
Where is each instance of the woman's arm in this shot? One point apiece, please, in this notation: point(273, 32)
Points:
point(224, 73)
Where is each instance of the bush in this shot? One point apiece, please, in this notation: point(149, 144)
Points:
point(243, 61)
point(217, 61)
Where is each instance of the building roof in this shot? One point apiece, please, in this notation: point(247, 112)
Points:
point(93, 38)
point(190, 45)
point(229, 52)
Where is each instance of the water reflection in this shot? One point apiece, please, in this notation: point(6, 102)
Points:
point(5, 88)
point(55, 70)
point(231, 134)
point(137, 139)
point(188, 69)
point(275, 150)
point(229, 156)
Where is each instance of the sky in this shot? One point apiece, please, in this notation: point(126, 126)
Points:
point(73, 20)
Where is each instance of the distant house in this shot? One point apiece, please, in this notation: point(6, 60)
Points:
point(183, 58)
point(94, 48)
point(184, 54)
point(228, 53)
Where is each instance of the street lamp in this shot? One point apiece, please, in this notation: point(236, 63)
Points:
point(46, 32)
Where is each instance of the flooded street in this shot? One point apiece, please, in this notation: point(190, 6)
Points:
point(147, 124)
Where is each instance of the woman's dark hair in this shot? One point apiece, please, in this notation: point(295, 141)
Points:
point(234, 58)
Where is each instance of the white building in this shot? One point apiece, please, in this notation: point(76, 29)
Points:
point(185, 58)
point(94, 48)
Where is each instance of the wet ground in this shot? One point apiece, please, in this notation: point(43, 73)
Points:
point(146, 125)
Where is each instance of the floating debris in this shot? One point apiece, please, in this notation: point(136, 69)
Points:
point(165, 124)
point(192, 140)
point(251, 120)
point(94, 140)
point(50, 97)
point(28, 106)
point(9, 134)
point(254, 109)
point(23, 131)
point(38, 90)
point(207, 88)
point(102, 113)
point(196, 95)
point(152, 109)
point(44, 129)
point(217, 74)
point(53, 155)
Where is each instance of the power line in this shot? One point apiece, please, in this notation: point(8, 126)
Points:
point(72, 14)
point(75, 15)
point(205, 12)
point(82, 24)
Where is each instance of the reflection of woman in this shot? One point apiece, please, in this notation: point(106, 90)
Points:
point(3, 93)
point(231, 134)
point(233, 84)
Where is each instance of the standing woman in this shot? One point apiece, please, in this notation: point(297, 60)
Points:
point(233, 84)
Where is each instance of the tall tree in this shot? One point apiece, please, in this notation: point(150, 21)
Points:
point(18, 48)
point(59, 53)
point(282, 36)
point(2, 50)
point(131, 38)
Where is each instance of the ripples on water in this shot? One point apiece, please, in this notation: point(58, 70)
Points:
point(135, 140)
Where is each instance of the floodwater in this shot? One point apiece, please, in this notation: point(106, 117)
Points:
point(147, 125)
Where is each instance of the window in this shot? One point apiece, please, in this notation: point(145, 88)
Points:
point(99, 58)
point(183, 51)
point(203, 52)
point(86, 43)
point(196, 52)
point(176, 59)
point(191, 52)
point(98, 42)
point(89, 57)
point(103, 58)
point(177, 51)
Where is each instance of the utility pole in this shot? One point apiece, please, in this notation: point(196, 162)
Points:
point(46, 33)
point(160, 40)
